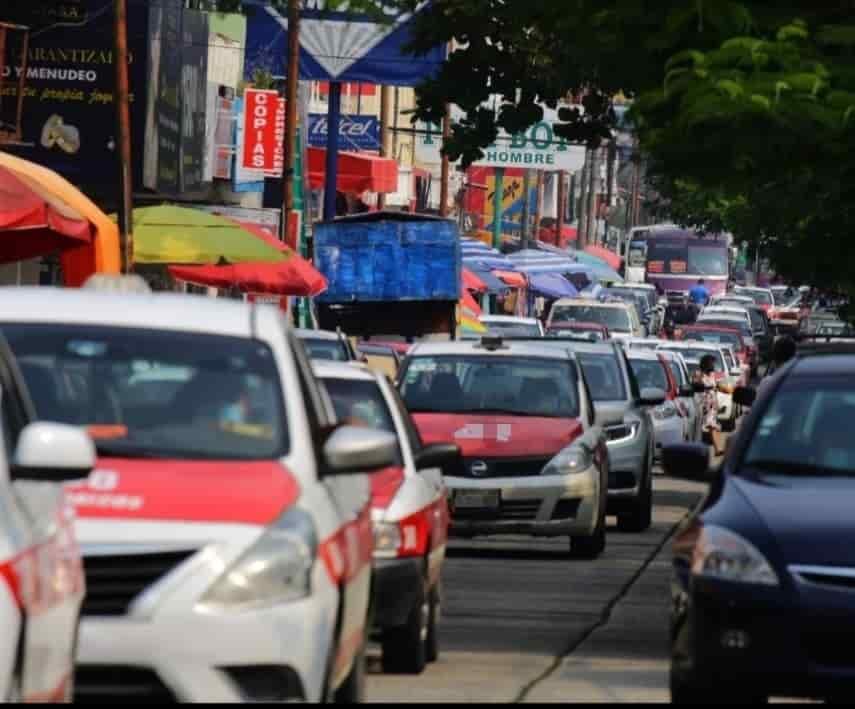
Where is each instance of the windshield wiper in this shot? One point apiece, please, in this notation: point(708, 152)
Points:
point(111, 450)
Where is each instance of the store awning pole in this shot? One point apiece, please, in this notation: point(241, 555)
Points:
point(333, 120)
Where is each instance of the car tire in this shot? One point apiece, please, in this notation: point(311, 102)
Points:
point(405, 649)
point(592, 546)
point(433, 623)
point(352, 690)
point(639, 516)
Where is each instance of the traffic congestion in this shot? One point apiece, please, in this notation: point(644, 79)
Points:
point(421, 351)
point(242, 479)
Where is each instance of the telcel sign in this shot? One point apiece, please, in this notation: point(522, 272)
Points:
point(538, 148)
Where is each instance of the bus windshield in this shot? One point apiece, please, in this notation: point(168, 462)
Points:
point(692, 257)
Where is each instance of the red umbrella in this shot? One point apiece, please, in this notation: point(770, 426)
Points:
point(294, 276)
point(34, 222)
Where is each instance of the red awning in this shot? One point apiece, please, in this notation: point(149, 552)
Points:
point(610, 257)
point(471, 282)
point(511, 278)
point(35, 222)
point(357, 172)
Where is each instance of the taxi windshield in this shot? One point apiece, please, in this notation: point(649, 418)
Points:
point(155, 394)
point(516, 386)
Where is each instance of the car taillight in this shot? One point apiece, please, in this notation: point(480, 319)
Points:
point(407, 537)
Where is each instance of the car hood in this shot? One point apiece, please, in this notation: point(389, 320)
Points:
point(810, 519)
point(201, 491)
point(499, 436)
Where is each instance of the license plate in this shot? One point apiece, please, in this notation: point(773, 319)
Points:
point(477, 499)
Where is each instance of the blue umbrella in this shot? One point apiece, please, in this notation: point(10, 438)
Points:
point(552, 285)
point(488, 262)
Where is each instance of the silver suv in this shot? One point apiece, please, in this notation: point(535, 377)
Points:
point(623, 410)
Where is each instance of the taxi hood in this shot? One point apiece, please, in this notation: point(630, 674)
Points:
point(201, 491)
point(499, 435)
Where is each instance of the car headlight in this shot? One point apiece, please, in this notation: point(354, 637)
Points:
point(569, 461)
point(724, 555)
point(664, 411)
point(276, 569)
point(622, 432)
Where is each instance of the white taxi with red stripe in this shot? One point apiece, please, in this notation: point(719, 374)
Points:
point(534, 458)
point(410, 513)
point(41, 577)
point(226, 530)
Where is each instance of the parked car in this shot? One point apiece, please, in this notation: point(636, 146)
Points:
point(624, 412)
point(511, 325)
point(226, 532)
point(688, 399)
point(669, 419)
point(534, 458)
point(620, 318)
point(41, 575)
point(327, 345)
point(762, 570)
point(589, 330)
point(381, 357)
point(409, 508)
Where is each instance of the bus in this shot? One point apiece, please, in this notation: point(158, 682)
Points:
point(677, 258)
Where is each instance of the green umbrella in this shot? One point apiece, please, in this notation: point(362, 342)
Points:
point(171, 234)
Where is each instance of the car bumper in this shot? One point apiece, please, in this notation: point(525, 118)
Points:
point(278, 653)
point(542, 505)
point(396, 590)
point(754, 639)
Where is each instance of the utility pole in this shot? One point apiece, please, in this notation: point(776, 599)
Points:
point(290, 147)
point(538, 206)
point(559, 212)
point(581, 241)
point(123, 134)
point(526, 209)
point(384, 135)
point(443, 179)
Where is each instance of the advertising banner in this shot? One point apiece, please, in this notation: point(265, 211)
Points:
point(537, 148)
point(244, 179)
point(338, 46)
point(194, 92)
point(355, 132)
point(69, 122)
point(264, 131)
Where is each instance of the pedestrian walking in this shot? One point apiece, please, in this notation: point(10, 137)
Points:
point(705, 375)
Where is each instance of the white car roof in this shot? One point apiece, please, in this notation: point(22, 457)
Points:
point(154, 311)
point(691, 344)
point(730, 309)
point(474, 347)
point(510, 319)
point(616, 304)
point(648, 355)
point(327, 369)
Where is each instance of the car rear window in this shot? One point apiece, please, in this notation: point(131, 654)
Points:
point(615, 319)
point(650, 373)
point(523, 386)
point(318, 348)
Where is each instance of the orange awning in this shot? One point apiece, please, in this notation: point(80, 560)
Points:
point(98, 254)
point(357, 172)
point(471, 282)
point(610, 257)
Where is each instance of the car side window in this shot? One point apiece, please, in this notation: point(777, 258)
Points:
point(413, 436)
point(10, 437)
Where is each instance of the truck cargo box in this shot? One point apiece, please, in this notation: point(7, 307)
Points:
point(388, 256)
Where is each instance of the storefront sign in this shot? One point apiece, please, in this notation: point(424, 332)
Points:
point(538, 148)
point(264, 131)
point(355, 132)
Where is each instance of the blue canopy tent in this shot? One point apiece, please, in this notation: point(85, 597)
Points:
point(552, 285)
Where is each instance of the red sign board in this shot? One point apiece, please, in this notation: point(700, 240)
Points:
point(264, 131)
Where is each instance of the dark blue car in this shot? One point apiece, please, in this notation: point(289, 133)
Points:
point(763, 589)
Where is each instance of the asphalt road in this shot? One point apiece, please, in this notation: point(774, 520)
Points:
point(524, 622)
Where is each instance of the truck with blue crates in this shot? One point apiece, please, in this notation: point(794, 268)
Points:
point(388, 273)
